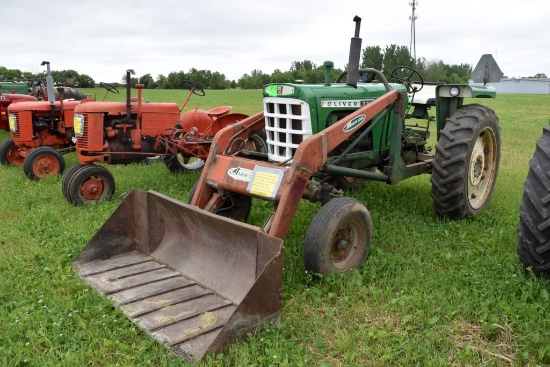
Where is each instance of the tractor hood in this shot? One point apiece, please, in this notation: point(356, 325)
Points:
point(40, 106)
point(13, 97)
point(341, 92)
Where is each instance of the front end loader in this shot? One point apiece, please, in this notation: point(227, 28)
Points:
point(323, 140)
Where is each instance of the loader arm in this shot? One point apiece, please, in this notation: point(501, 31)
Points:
point(310, 156)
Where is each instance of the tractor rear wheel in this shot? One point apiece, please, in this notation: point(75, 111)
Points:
point(9, 154)
point(534, 228)
point(69, 173)
point(235, 206)
point(91, 184)
point(179, 163)
point(465, 165)
point(257, 142)
point(42, 162)
point(338, 238)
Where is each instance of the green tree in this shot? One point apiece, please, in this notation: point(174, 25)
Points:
point(373, 57)
point(148, 81)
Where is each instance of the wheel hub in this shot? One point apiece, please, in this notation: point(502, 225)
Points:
point(92, 188)
point(477, 163)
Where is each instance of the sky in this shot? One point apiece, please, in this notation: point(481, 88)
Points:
point(103, 38)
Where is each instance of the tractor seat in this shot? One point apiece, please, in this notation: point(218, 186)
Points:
point(219, 111)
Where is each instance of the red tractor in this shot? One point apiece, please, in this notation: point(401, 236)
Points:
point(121, 133)
point(5, 101)
point(41, 131)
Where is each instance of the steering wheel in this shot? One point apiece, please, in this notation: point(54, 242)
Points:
point(109, 88)
point(399, 75)
point(192, 87)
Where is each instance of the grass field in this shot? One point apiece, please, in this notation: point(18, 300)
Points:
point(432, 292)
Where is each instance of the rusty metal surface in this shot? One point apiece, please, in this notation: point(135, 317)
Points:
point(193, 280)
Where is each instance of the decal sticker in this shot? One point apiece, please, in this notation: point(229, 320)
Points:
point(274, 90)
point(240, 174)
point(354, 123)
point(265, 181)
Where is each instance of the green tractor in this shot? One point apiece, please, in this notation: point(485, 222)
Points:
point(222, 277)
point(394, 146)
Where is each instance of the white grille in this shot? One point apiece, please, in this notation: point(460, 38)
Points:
point(287, 124)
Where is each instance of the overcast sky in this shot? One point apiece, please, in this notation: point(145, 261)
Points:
point(104, 38)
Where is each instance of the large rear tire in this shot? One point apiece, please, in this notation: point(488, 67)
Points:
point(466, 161)
point(91, 184)
point(42, 162)
point(9, 154)
point(338, 238)
point(534, 224)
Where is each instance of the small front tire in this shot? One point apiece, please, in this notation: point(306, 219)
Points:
point(91, 184)
point(9, 154)
point(338, 238)
point(42, 162)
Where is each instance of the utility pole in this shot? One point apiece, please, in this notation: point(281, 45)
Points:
point(412, 47)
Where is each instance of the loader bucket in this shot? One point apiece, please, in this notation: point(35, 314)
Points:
point(193, 280)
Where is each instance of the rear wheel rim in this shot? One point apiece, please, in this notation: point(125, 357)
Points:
point(482, 168)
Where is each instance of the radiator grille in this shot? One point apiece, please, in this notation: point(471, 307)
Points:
point(287, 124)
point(17, 132)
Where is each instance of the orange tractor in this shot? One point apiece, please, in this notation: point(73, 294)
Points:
point(41, 131)
point(121, 133)
point(5, 101)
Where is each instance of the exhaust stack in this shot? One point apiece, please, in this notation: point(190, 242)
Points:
point(129, 74)
point(354, 55)
point(49, 82)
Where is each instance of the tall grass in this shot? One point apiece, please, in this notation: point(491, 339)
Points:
point(432, 292)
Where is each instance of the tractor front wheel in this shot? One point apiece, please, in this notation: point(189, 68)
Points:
point(465, 165)
point(338, 238)
point(42, 162)
point(69, 173)
point(534, 228)
point(178, 163)
point(9, 154)
point(90, 184)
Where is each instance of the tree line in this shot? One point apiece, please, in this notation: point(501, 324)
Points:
point(305, 71)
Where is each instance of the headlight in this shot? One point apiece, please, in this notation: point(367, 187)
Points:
point(79, 125)
point(13, 122)
point(454, 91)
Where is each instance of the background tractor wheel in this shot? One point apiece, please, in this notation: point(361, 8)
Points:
point(9, 153)
point(339, 237)
point(257, 142)
point(235, 206)
point(42, 162)
point(67, 177)
point(534, 227)
point(91, 184)
point(179, 163)
point(466, 161)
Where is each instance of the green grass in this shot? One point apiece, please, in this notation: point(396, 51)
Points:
point(431, 293)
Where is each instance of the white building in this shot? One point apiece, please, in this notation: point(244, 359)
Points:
point(521, 86)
